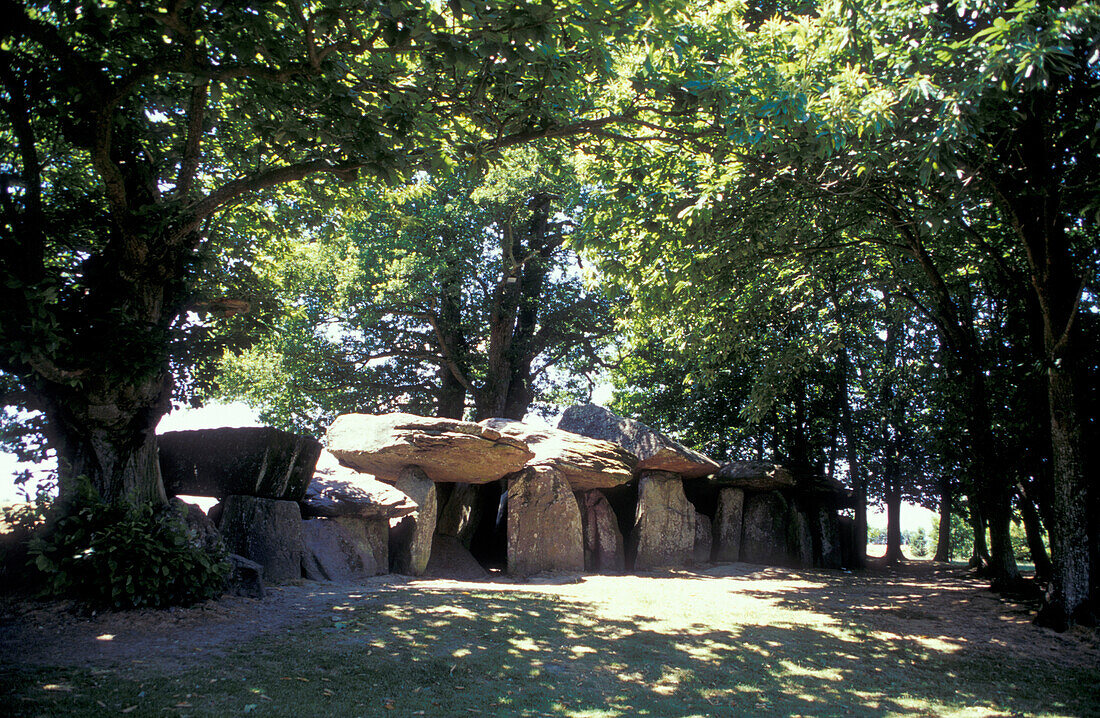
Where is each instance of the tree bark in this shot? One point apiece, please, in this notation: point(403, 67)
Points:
point(855, 468)
point(1034, 529)
point(979, 555)
point(943, 541)
point(893, 524)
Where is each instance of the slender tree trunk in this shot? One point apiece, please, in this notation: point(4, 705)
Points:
point(1034, 530)
point(855, 469)
point(943, 541)
point(893, 524)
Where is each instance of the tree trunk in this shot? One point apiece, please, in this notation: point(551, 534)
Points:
point(108, 436)
point(1034, 530)
point(893, 524)
point(979, 556)
point(943, 541)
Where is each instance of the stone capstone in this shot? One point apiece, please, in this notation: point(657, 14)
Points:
point(450, 559)
point(585, 463)
point(338, 490)
point(544, 523)
point(603, 542)
point(654, 450)
point(249, 461)
point(446, 450)
point(266, 531)
point(664, 523)
point(411, 536)
point(704, 539)
point(332, 553)
point(728, 524)
point(753, 475)
point(764, 537)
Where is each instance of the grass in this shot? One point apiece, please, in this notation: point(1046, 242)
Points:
point(817, 644)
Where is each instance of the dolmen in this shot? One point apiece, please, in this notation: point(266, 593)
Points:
point(431, 496)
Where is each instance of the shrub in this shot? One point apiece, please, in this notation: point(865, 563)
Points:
point(122, 556)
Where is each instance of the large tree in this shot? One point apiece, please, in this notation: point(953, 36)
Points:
point(443, 296)
point(127, 127)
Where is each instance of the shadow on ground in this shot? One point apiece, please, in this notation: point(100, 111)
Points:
point(769, 642)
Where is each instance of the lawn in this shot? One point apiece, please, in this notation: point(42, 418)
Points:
point(736, 640)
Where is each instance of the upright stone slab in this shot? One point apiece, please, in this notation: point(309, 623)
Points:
point(450, 559)
point(800, 541)
point(266, 531)
point(832, 553)
point(664, 522)
point(544, 523)
point(370, 536)
point(603, 542)
point(251, 461)
point(411, 539)
point(460, 514)
point(764, 537)
point(331, 553)
point(728, 524)
point(704, 538)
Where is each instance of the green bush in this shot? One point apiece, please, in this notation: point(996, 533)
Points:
point(122, 556)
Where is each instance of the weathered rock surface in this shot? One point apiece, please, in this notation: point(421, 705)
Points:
point(604, 551)
point(331, 553)
point(654, 450)
point(544, 523)
point(450, 559)
point(371, 536)
point(754, 475)
point(446, 450)
point(460, 514)
point(764, 537)
point(249, 461)
point(664, 522)
point(338, 490)
point(728, 524)
point(200, 529)
point(411, 538)
point(704, 539)
point(832, 553)
point(800, 544)
point(585, 463)
point(266, 531)
point(246, 578)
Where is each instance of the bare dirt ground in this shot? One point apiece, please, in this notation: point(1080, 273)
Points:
point(919, 600)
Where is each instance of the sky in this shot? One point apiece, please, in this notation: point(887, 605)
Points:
point(239, 414)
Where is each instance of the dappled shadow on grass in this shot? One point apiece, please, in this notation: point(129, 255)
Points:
point(770, 643)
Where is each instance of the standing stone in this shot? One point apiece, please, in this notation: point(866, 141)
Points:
point(603, 542)
point(450, 559)
point(728, 524)
point(704, 539)
point(266, 531)
point(411, 539)
point(664, 522)
point(832, 554)
point(544, 523)
point(764, 537)
point(371, 537)
point(801, 540)
point(460, 514)
point(331, 554)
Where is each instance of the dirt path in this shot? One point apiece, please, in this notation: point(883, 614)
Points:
point(920, 602)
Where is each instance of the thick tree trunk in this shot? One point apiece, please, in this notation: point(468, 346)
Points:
point(1068, 597)
point(943, 541)
point(108, 436)
point(979, 555)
